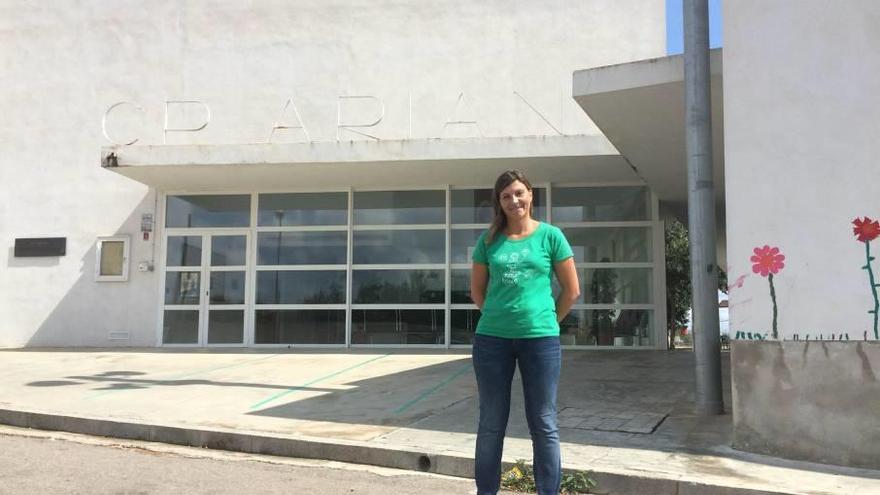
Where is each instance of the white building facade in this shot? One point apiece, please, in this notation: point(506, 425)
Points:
point(801, 120)
point(793, 154)
point(308, 174)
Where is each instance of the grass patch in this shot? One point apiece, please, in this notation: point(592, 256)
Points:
point(521, 478)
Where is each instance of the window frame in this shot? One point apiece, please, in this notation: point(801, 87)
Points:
point(654, 225)
point(126, 251)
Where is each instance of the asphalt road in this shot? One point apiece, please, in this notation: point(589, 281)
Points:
point(51, 462)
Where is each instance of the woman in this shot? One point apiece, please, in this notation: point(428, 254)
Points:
point(513, 264)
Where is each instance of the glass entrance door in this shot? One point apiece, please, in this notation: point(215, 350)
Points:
point(226, 275)
point(205, 296)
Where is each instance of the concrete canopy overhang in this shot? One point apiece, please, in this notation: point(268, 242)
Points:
point(368, 164)
point(639, 106)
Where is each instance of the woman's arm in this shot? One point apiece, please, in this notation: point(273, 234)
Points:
point(479, 282)
point(571, 289)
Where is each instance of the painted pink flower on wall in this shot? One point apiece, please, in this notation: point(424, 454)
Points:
point(767, 261)
point(866, 230)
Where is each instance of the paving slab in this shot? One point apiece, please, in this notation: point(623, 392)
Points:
point(415, 410)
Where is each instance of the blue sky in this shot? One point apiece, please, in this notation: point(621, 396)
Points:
point(674, 30)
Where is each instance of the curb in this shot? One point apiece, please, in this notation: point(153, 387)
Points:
point(337, 450)
point(247, 442)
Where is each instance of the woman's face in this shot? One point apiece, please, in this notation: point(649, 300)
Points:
point(516, 200)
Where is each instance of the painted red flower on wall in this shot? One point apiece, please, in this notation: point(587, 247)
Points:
point(767, 260)
point(866, 229)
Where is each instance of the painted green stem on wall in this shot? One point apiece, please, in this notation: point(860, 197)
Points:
point(775, 311)
point(874, 286)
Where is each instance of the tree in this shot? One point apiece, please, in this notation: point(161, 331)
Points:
point(678, 279)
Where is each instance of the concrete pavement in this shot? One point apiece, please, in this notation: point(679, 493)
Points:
point(625, 415)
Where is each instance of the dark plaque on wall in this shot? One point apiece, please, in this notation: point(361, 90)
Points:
point(42, 246)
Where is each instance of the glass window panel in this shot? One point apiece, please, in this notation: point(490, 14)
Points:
point(395, 326)
point(600, 204)
point(379, 326)
point(180, 327)
point(539, 203)
point(112, 254)
point(464, 325)
point(609, 244)
point(228, 210)
point(423, 326)
point(303, 209)
point(608, 327)
point(184, 250)
point(228, 250)
point(461, 287)
point(226, 327)
point(182, 287)
point(463, 242)
point(302, 248)
point(471, 205)
point(301, 287)
point(398, 286)
point(300, 326)
point(615, 285)
point(399, 246)
point(227, 287)
point(475, 205)
point(399, 207)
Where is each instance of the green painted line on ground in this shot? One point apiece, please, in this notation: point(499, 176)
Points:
point(192, 373)
point(451, 378)
point(316, 380)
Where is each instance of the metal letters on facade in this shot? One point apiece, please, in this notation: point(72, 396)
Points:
point(341, 124)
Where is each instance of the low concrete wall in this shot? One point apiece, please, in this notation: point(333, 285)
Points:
point(814, 401)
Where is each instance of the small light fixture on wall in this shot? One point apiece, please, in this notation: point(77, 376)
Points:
point(110, 161)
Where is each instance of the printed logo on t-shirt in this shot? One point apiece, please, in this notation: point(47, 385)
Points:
point(514, 273)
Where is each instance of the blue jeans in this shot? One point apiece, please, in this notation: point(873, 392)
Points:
point(539, 362)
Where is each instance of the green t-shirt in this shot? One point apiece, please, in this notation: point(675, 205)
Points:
point(519, 300)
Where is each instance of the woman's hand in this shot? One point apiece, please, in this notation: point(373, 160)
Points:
point(571, 289)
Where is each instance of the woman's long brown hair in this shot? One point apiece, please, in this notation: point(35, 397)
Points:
point(499, 223)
